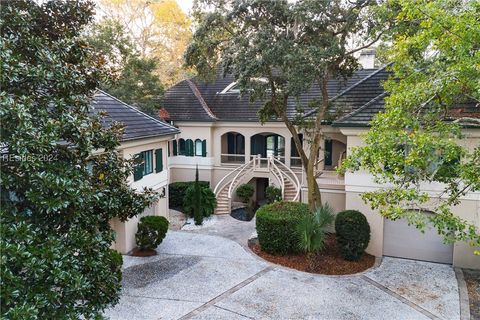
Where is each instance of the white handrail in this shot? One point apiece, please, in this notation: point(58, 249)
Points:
point(218, 188)
point(297, 195)
point(278, 176)
point(235, 178)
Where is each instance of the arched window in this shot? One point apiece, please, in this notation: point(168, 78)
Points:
point(198, 147)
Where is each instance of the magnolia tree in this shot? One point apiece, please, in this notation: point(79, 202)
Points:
point(418, 139)
point(277, 50)
point(57, 198)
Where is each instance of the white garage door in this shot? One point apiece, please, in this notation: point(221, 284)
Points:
point(404, 241)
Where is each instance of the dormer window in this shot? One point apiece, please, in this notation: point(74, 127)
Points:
point(231, 88)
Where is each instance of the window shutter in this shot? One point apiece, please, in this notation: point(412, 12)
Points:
point(174, 147)
point(328, 152)
point(204, 148)
point(189, 148)
point(138, 169)
point(181, 147)
point(230, 143)
point(168, 149)
point(158, 160)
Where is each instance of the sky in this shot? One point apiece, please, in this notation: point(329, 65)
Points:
point(185, 5)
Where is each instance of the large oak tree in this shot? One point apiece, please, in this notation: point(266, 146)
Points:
point(277, 50)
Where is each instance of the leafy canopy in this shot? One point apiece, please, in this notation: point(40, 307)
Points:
point(58, 196)
point(419, 141)
point(134, 79)
point(159, 30)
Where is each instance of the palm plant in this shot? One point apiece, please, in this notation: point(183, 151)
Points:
point(311, 231)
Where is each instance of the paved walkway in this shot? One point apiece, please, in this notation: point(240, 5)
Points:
point(200, 276)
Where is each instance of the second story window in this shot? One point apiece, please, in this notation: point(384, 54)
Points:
point(144, 164)
point(198, 147)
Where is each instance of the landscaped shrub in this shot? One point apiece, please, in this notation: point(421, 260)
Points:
point(208, 202)
point(116, 261)
point(273, 194)
point(245, 192)
point(178, 190)
point(353, 234)
point(277, 224)
point(151, 232)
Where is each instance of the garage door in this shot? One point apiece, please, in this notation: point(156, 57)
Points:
point(404, 241)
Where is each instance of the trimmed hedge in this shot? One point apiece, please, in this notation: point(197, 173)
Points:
point(245, 192)
point(353, 234)
point(178, 190)
point(151, 232)
point(276, 226)
point(273, 194)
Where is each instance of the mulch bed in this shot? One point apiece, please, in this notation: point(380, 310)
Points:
point(143, 253)
point(329, 261)
point(472, 279)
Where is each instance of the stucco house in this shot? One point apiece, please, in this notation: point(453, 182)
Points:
point(221, 133)
point(147, 138)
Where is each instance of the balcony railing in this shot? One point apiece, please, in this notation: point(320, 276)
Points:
point(232, 158)
point(295, 162)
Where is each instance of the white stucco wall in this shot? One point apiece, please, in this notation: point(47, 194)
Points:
point(125, 231)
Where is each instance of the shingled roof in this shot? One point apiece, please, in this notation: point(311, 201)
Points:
point(196, 100)
point(355, 100)
point(138, 124)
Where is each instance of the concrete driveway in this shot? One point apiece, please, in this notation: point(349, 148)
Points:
point(200, 276)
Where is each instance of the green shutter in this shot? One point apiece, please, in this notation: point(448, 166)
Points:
point(189, 148)
point(181, 147)
point(204, 148)
point(174, 147)
point(168, 149)
point(158, 160)
point(328, 152)
point(138, 169)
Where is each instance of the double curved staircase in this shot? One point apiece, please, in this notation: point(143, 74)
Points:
point(278, 173)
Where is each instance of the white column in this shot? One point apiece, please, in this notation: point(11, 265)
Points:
point(247, 148)
point(288, 150)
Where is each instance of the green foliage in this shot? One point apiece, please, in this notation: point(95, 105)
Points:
point(311, 229)
point(278, 50)
point(197, 201)
point(353, 234)
point(57, 198)
point(273, 194)
point(178, 190)
point(276, 225)
point(208, 202)
point(136, 81)
point(138, 85)
point(151, 232)
point(417, 140)
point(245, 192)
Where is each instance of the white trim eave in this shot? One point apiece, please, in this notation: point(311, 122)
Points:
point(353, 131)
point(144, 141)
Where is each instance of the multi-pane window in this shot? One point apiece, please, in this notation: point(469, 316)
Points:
point(148, 161)
point(144, 164)
point(198, 147)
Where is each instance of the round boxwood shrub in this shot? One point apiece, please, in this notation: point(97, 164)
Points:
point(245, 192)
point(151, 232)
point(116, 262)
point(353, 234)
point(276, 226)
